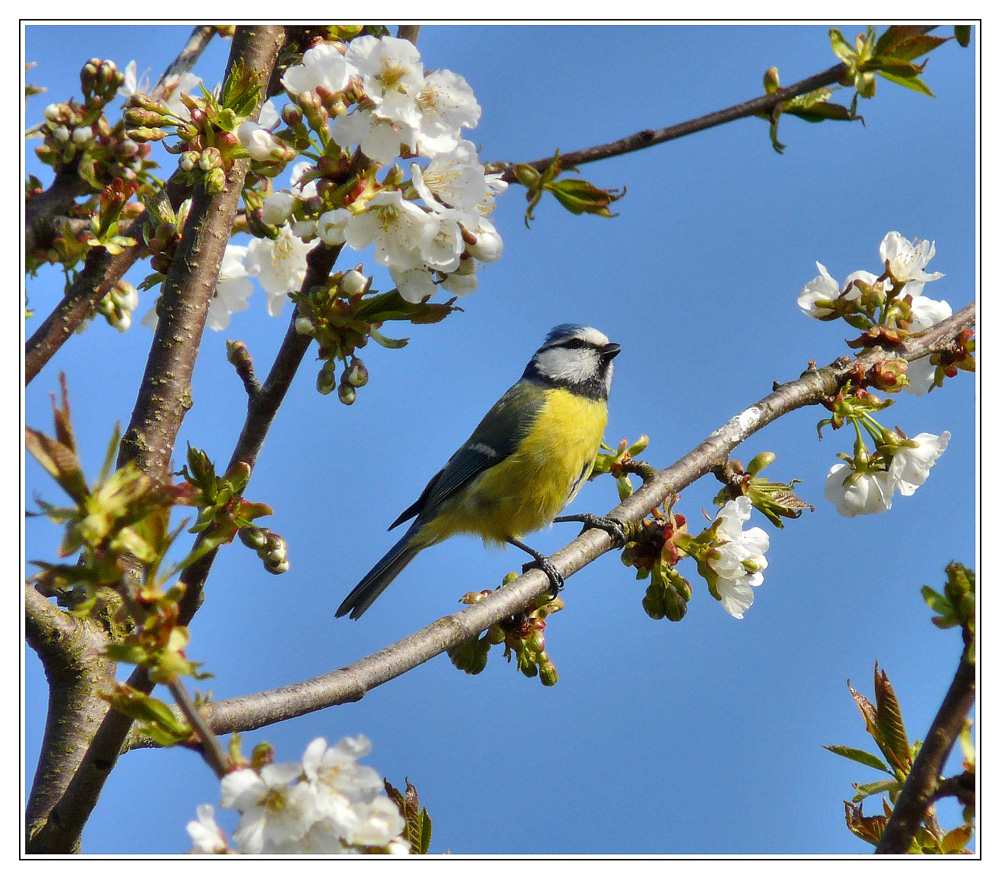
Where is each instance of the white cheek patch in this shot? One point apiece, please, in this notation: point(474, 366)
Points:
point(572, 365)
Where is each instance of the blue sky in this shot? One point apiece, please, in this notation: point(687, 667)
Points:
point(703, 736)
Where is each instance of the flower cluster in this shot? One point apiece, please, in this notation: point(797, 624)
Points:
point(325, 804)
point(736, 560)
point(866, 483)
point(360, 112)
point(892, 301)
point(429, 230)
point(730, 559)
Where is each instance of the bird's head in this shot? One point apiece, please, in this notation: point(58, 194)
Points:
point(576, 358)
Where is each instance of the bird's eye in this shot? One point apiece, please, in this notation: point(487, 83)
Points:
point(574, 343)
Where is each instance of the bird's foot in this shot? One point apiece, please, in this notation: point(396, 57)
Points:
point(556, 580)
point(619, 532)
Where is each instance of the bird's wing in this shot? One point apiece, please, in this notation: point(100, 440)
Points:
point(496, 438)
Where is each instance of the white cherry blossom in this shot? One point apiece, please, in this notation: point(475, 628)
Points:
point(858, 493)
point(907, 260)
point(911, 465)
point(279, 264)
point(322, 65)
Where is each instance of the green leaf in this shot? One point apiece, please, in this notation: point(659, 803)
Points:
point(956, 840)
point(910, 82)
point(859, 756)
point(820, 112)
point(154, 717)
point(889, 722)
point(841, 48)
point(963, 35)
point(911, 46)
point(59, 461)
point(425, 833)
point(890, 785)
point(386, 342)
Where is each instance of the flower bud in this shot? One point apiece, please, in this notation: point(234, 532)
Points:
point(125, 149)
point(215, 181)
point(759, 462)
point(488, 246)
point(357, 374)
point(291, 115)
point(353, 283)
point(252, 537)
point(326, 381)
point(278, 208)
point(347, 394)
point(547, 674)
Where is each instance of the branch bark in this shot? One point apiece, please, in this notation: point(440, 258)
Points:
point(164, 395)
point(349, 684)
point(71, 652)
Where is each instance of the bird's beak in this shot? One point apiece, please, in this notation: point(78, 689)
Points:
point(610, 351)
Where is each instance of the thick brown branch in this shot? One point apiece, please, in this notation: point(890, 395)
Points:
point(921, 786)
point(71, 654)
point(352, 682)
point(165, 393)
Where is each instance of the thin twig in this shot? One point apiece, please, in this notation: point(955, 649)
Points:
point(408, 32)
point(763, 105)
point(209, 745)
point(200, 37)
point(350, 683)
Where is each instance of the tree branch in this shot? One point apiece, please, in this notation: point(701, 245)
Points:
point(200, 37)
point(762, 105)
point(350, 683)
point(921, 786)
point(164, 395)
point(71, 652)
point(163, 400)
point(262, 407)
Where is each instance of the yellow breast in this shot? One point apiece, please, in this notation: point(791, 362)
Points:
point(528, 489)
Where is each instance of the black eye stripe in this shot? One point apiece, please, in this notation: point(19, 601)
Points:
point(570, 343)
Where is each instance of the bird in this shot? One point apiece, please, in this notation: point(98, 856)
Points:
point(527, 459)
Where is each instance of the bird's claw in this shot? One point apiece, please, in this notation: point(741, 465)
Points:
point(556, 580)
point(617, 530)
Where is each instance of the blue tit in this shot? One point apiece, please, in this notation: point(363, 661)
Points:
point(525, 461)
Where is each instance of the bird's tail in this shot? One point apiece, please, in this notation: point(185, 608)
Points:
point(378, 578)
